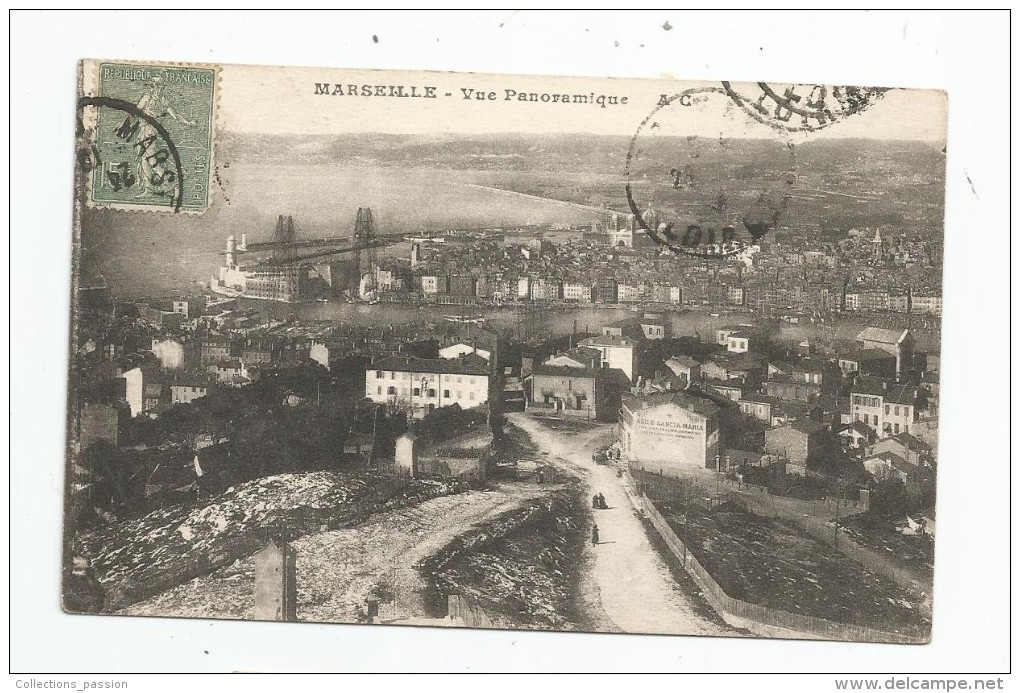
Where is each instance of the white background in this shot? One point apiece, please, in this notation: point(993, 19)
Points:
point(967, 55)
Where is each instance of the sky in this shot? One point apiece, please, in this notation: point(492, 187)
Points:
point(282, 100)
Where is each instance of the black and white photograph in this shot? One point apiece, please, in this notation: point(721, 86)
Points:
point(562, 354)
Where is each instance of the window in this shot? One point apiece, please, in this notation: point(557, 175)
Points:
point(446, 394)
point(471, 395)
point(391, 390)
point(896, 428)
point(432, 392)
point(887, 410)
point(393, 375)
point(897, 411)
point(875, 417)
point(417, 391)
point(378, 374)
point(379, 390)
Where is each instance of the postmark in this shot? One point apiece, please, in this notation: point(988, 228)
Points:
point(802, 107)
point(151, 133)
point(713, 180)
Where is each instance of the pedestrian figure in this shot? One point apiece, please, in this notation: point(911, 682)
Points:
point(595, 501)
point(602, 502)
point(594, 535)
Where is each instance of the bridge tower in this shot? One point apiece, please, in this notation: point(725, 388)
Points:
point(364, 234)
point(282, 236)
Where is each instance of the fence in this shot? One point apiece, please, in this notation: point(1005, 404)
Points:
point(759, 619)
point(802, 513)
point(759, 501)
point(827, 502)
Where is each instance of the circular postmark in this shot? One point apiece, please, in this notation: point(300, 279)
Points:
point(714, 181)
point(152, 162)
point(801, 107)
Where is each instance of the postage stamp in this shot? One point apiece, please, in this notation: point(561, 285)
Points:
point(152, 135)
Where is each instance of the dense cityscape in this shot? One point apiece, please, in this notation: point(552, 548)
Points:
point(801, 409)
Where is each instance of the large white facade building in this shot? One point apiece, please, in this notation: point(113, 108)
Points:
point(667, 433)
point(886, 410)
point(420, 386)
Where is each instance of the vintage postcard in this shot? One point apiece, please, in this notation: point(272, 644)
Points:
point(498, 351)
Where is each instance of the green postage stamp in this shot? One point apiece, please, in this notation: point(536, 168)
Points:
point(149, 132)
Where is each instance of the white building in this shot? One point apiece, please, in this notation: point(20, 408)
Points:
point(737, 342)
point(666, 433)
point(420, 386)
point(188, 391)
point(684, 367)
point(524, 287)
point(655, 327)
point(576, 292)
point(630, 293)
point(722, 334)
point(617, 352)
point(429, 284)
point(455, 351)
point(887, 410)
point(926, 304)
point(142, 390)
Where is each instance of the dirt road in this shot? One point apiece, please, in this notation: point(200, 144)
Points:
point(625, 585)
point(636, 589)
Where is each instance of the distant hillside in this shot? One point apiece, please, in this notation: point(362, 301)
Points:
point(567, 152)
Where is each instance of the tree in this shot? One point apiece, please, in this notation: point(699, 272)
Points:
point(889, 498)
